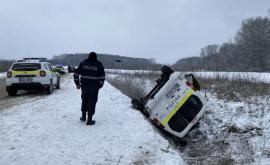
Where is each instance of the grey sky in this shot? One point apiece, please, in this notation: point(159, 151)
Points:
point(166, 30)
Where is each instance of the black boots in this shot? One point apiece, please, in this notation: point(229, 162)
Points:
point(83, 118)
point(90, 121)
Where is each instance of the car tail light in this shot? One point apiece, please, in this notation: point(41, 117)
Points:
point(9, 74)
point(42, 73)
point(191, 85)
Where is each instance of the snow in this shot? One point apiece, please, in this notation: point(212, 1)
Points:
point(254, 76)
point(3, 75)
point(129, 71)
point(231, 132)
point(145, 84)
point(48, 131)
point(244, 126)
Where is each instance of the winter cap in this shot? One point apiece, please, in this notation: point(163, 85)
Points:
point(92, 56)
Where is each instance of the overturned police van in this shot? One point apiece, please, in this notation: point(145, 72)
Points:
point(174, 104)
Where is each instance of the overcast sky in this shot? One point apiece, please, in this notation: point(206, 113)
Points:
point(166, 30)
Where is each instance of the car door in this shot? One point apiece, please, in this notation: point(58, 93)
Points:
point(53, 74)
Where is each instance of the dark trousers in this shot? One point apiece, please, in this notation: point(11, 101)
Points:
point(89, 100)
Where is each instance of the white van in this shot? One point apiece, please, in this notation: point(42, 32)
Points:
point(175, 106)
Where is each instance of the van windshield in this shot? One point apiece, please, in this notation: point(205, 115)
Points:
point(186, 114)
point(26, 66)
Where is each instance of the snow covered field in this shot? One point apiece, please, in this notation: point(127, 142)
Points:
point(235, 131)
point(254, 76)
point(47, 131)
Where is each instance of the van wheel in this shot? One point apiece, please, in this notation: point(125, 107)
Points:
point(50, 89)
point(166, 70)
point(58, 83)
point(12, 92)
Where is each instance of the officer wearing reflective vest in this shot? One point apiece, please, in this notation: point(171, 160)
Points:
point(89, 76)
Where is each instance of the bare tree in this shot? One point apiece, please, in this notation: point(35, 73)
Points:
point(209, 50)
point(249, 52)
point(253, 40)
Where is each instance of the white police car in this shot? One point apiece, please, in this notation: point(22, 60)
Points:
point(176, 107)
point(174, 104)
point(31, 75)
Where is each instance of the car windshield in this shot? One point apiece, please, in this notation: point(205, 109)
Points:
point(26, 66)
point(186, 113)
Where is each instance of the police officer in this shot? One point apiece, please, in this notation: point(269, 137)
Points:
point(89, 76)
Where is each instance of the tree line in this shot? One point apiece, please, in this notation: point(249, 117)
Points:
point(250, 51)
point(109, 61)
point(5, 64)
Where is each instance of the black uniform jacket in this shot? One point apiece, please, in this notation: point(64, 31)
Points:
point(90, 75)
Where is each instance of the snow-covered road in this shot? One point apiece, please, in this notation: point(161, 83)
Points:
point(3, 75)
point(47, 131)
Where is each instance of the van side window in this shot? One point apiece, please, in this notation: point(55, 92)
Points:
point(46, 66)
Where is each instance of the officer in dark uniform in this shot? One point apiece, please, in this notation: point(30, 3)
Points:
point(89, 76)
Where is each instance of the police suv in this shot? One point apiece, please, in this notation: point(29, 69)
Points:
point(31, 75)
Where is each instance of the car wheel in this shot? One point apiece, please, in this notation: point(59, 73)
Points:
point(166, 70)
point(50, 89)
point(12, 92)
point(58, 83)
